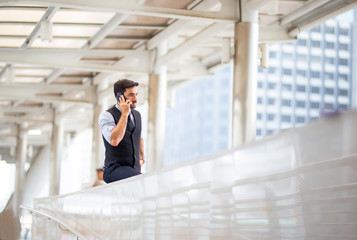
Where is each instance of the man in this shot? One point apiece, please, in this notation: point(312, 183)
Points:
point(120, 126)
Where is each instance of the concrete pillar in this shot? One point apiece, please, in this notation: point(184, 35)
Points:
point(20, 166)
point(157, 114)
point(97, 143)
point(98, 146)
point(246, 41)
point(55, 161)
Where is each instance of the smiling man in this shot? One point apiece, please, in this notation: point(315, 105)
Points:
point(120, 126)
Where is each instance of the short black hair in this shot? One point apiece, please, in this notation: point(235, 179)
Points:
point(121, 85)
point(99, 170)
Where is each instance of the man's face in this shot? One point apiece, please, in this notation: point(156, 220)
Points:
point(131, 94)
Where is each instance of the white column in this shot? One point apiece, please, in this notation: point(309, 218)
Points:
point(157, 114)
point(98, 145)
point(246, 41)
point(55, 161)
point(20, 166)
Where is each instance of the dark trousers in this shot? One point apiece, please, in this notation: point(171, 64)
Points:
point(115, 172)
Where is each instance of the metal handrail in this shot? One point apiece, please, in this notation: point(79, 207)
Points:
point(75, 232)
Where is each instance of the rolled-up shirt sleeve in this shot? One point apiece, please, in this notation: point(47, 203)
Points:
point(106, 125)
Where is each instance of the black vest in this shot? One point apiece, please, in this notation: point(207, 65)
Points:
point(127, 151)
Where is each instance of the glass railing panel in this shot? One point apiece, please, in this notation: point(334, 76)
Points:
point(300, 184)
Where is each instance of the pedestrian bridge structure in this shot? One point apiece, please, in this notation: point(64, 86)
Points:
point(58, 62)
point(300, 184)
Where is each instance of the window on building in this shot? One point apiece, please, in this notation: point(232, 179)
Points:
point(260, 100)
point(301, 73)
point(224, 99)
point(271, 85)
point(300, 88)
point(225, 81)
point(330, 45)
point(287, 56)
point(343, 61)
point(329, 105)
point(344, 31)
point(330, 60)
point(330, 30)
point(300, 119)
point(286, 87)
point(286, 102)
point(343, 76)
point(271, 101)
point(329, 91)
point(302, 42)
point(329, 75)
point(315, 74)
point(223, 130)
point(260, 84)
point(315, 89)
point(270, 131)
point(272, 70)
point(301, 57)
point(259, 116)
point(287, 71)
point(342, 106)
point(285, 118)
point(259, 132)
point(343, 92)
point(272, 54)
point(315, 105)
point(300, 104)
point(316, 29)
point(315, 43)
point(315, 59)
point(270, 117)
point(343, 46)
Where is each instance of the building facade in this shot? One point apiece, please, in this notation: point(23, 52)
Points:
point(305, 78)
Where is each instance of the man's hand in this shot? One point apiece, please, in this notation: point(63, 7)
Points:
point(124, 105)
point(118, 131)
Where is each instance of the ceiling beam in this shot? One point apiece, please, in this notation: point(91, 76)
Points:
point(322, 14)
point(50, 12)
point(106, 29)
point(66, 24)
point(62, 58)
point(38, 93)
point(91, 43)
point(191, 42)
point(167, 32)
point(177, 25)
point(32, 140)
point(4, 69)
point(24, 109)
point(228, 13)
point(45, 118)
point(54, 75)
point(274, 34)
point(307, 7)
point(161, 36)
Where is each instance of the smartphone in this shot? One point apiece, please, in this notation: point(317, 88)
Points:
point(119, 95)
